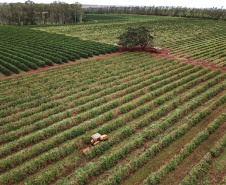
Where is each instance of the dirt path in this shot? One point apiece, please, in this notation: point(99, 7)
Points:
point(165, 53)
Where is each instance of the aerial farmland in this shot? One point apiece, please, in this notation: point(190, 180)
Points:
point(163, 114)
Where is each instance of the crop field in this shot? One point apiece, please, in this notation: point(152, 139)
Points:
point(199, 39)
point(22, 49)
point(157, 113)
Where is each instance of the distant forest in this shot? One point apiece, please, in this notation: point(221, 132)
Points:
point(205, 13)
point(29, 13)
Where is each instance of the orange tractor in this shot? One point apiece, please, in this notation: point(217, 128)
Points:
point(97, 138)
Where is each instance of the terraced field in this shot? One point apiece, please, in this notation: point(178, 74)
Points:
point(157, 113)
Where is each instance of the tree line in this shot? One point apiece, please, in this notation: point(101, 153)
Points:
point(29, 13)
point(205, 13)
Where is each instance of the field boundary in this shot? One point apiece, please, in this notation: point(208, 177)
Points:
point(165, 54)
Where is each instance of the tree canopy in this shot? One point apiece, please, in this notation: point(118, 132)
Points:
point(139, 36)
point(29, 13)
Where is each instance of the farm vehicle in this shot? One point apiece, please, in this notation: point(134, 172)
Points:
point(96, 139)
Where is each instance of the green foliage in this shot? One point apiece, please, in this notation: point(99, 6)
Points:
point(33, 49)
point(139, 36)
point(47, 118)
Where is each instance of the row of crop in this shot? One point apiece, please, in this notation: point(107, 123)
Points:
point(43, 159)
point(132, 165)
point(154, 80)
point(202, 166)
point(9, 57)
point(50, 174)
point(82, 175)
point(151, 117)
point(4, 70)
point(48, 55)
point(25, 54)
point(191, 50)
point(85, 104)
point(113, 126)
point(60, 138)
point(73, 98)
point(86, 87)
point(219, 60)
point(78, 68)
point(118, 71)
point(66, 124)
point(92, 104)
point(197, 45)
point(156, 177)
point(209, 52)
point(71, 55)
point(53, 41)
point(44, 98)
point(14, 62)
point(202, 55)
point(60, 41)
point(9, 66)
point(62, 49)
point(217, 53)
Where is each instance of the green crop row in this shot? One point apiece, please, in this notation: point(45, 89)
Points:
point(202, 166)
point(82, 127)
point(50, 47)
point(73, 98)
point(41, 177)
point(4, 70)
point(88, 103)
point(28, 167)
point(65, 124)
point(156, 177)
point(150, 132)
point(13, 126)
point(105, 79)
point(9, 66)
point(8, 57)
point(80, 69)
point(81, 176)
point(151, 117)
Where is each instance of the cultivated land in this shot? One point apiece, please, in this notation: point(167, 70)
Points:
point(22, 49)
point(199, 39)
point(164, 114)
point(157, 113)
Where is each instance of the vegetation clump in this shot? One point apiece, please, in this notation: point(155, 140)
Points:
point(139, 36)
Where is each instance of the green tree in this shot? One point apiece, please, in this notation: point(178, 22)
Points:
point(139, 36)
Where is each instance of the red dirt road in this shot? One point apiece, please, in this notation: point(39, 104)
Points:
point(165, 53)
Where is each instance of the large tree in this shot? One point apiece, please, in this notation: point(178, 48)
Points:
point(139, 36)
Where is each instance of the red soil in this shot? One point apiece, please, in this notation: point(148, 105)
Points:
point(165, 53)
